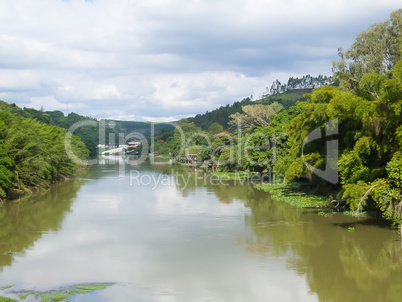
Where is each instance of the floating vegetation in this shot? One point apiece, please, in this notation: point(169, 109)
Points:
point(54, 296)
point(5, 287)
point(6, 299)
point(355, 213)
point(76, 291)
point(94, 286)
point(295, 195)
point(23, 296)
point(325, 214)
point(351, 229)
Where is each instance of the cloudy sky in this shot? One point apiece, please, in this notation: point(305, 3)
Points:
point(166, 59)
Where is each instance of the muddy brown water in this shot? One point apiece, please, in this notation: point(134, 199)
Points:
point(163, 233)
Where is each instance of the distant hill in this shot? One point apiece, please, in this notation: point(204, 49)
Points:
point(89, 135)
point(143, 128)
point(221, 114)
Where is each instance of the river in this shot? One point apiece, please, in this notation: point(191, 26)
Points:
point(165, 233)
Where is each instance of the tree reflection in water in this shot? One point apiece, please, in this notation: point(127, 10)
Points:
point(23, 222)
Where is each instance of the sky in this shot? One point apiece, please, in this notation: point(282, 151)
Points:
point(162, 60)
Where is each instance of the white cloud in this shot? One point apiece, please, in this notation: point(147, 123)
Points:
point(49, 103)
point(166, 58)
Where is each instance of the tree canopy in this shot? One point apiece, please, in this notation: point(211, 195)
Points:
point(377, 49)
point(32, 154)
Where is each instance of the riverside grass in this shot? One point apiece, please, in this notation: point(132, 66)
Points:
point(295, 195)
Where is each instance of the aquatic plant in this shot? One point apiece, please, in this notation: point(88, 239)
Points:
point(6, 299)
point(23, 296)
point(5, 287)
point(295, 195)
point(54, 297)
point(94, 286)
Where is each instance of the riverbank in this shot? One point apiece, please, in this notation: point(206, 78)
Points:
point(28, 191)
point(295, 194)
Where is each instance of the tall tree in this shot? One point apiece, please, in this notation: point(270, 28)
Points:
point(255, 115)
point(378, 49)
point(215, 128)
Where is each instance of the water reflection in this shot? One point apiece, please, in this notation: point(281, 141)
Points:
point(365, 265)
point(191, 240)
point(24, 222)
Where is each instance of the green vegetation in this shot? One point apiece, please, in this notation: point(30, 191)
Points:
point(295, 194)
point(325, 213)
point(55, 297)
point(351, 229)
point(88, 134)
point(6, 287)
point(33, 156)
point(306, 82)
point(143, 128)
point(358, 214)
point(76, 291)
point(95, 286)
point(376, 50)
point(221, 115)
point(23, 296)
point(365, 112)
point(6, 299)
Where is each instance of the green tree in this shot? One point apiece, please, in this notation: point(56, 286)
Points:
point(378, 49)
point(255, 115)
point(215, 128)
point(32, 154)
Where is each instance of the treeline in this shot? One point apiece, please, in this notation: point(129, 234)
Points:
point(88, 134)
point(222, 114)
point(33, 155)
point(305, 82)
point(143, 128)
point(364, 116)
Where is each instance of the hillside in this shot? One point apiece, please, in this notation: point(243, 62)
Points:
point(89, 135)
point(221, 114)
point(144, 128)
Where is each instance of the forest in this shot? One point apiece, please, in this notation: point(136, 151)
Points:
point(33, 156)
point(367, 110)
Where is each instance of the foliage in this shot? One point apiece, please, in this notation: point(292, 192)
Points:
point(6, 299)
point(33, 154)
point(376, 50)
point(76, 291)
point(24, 295)
point(295, 195)
point(88, 134)
point(304, 82)
point(6, 287)
point(95, 286)
point(215, 128)
point(54, 297)
point(255, 115)
point(221, 115)
point(141, 128)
